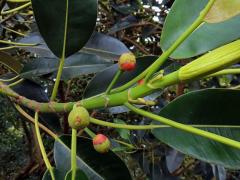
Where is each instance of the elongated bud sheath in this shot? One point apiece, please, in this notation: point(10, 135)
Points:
point(127, 62)
point(101, 143)
point(211, 62)
point(78, 118)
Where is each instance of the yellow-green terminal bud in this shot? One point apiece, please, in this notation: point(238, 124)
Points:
point(101, 143)
point(211, 62)
point(78, 118)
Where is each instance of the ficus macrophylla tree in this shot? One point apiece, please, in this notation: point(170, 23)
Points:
point(68, 32)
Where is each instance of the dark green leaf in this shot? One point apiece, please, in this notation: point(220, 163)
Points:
point(105, 46)
point(96, 166)
point(99, 44)
point(120, 149)
point(39, 67)
point(74, 66)
point(204, 107)
point(50, 18)
point(80, 63)
point(205, 38)
point(41, 49)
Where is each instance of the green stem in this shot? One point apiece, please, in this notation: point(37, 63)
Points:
point(58, 78)
point(42, 149)
point(18, 1)
point(164, 81)
point(235, 87)
point(16, 32)
point(155, 66)
point(4, 89)
point(224, 72)
point(184, 127)
point(89, 132)
point(205, 126)
point(17, 44)
point(116, 77)
point(16, 83)
point(151, 126)
point(62, 59)
point(130, 83)
point(93, 102)
point(16, 9)
point(97, 101)
point(74, 153)
point(125, 144)
point(9, 47)
point(123, 126)
point(11, 79)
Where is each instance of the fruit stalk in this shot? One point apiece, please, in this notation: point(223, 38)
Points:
point(74, 153)
point(113, 82)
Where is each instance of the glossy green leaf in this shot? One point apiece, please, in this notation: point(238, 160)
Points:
point(95, 165)
point(57, 174)
point(41, 49)
point(80, 175)
point(10, 62)
point(74, 66)
point(51, 18)
point(105, 46)
point(99, 44)
point(205, 38)
point(39, 67)
point(204, 107)
point(80, 64)
point(223, 10)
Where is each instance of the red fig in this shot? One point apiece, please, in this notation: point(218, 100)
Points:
point(101, 143)
point(127, 62)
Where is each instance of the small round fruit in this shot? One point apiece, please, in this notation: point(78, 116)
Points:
point(101, 143)
point(127, 62)
point(78, 118)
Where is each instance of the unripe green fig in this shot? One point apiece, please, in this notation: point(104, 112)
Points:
point(127, 62)
point(101, 143)
point(78, 118)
